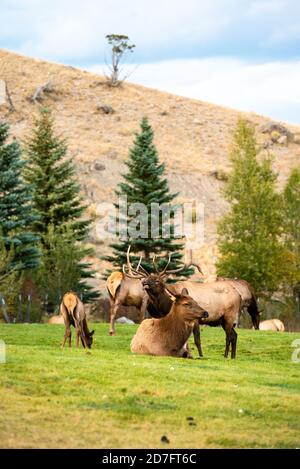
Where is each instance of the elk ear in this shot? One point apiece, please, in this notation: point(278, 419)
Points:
point(91, 333)
point(184, 292)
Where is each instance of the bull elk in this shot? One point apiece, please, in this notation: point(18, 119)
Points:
point(72, 310)
point(127, 290)
point(169, 334)
point(223, 299)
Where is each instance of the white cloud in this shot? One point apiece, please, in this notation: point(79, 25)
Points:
point(74, 30)
point(268, 88)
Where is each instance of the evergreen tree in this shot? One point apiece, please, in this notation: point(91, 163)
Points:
point(56, 199)
point(11, 279)
point(249, 234)
point(61, 267)
point(145, 183)
point(291, 197)
point(16, 213)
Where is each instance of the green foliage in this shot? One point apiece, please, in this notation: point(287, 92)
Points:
point(56, 201)
point(145, 183)
point(15, 205)
point(249, 235)
point(61, 266)
point(10, 278)
point(120, 47)
point(291, 200)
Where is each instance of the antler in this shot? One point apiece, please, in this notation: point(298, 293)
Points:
point(134, 273)
point(180, 269)
point(190, 251)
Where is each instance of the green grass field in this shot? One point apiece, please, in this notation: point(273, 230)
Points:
point(66, 398)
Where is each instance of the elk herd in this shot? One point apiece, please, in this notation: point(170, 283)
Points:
point(175, 310)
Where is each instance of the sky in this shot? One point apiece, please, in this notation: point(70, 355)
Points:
point(244, 54)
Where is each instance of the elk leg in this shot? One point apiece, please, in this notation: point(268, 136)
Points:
point(143, 308)
point(233, 342)
point(197, 340)
point(68, 335)
point(227, 328)
point(113, 313)
point(227, 345)
point(77, 338)
point(78, 327)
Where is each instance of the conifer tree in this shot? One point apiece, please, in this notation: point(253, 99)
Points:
point(55, 191)
point(61, 267)
point(56, 199)
point(145, 183)
point(249, 234)
point(16, 215)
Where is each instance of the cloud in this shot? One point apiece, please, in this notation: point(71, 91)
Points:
point(266, 88)
point(74, 31)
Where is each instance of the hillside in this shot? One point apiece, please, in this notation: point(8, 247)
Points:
point(192, 136)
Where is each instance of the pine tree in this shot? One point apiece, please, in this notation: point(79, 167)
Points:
point(291, 197)
point(145, 183)
point(11, 279)
point(56, 199)
point(16, 213)
point(249, 235)
point(61, 267)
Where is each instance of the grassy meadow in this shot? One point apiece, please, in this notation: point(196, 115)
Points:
point(53, 398)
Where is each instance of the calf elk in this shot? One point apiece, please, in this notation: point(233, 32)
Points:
point(72, 310)
point(169, 335)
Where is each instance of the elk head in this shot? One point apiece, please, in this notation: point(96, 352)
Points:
point(188, 308)
point(89, 339)
point(155, 282)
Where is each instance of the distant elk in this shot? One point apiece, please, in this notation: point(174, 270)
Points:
point(169, 335)
point(222, 299)
point(72, 310)
point(271, 325)
point(56, 319)
point(126, 290)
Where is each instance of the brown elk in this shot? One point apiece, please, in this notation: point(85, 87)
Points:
point(72, 310)
point(56, 319)
point(222, 299)
point(169, 335)
point(271, 325)
point(127, 290)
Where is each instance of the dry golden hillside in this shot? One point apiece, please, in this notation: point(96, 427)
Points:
point(192, 137)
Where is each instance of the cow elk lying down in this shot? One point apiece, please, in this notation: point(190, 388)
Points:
point(169, 335)
point(271, 325)
point(72, 310)
point(56, 319)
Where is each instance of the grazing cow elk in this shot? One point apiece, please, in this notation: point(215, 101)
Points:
point(72, 310)
point(221, 299)
point(271, 325)
point(126, 290)
point(169, 334)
